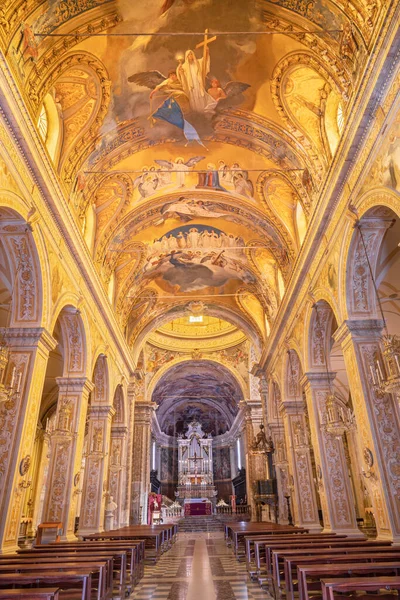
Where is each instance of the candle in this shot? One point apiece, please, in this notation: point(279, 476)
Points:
point(379, 370)
point(13, 377)
point(396, 358)
point(19, 382)
point(372, 374)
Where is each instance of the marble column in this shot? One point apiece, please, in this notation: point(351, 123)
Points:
point(66, 449)
point(117, 470)
point(141, 460)
point(304, 498)
point(281, 469)
point(94, 488)
point(29, 352)
point(42, 444)
point(335, 491)
point(378, 424)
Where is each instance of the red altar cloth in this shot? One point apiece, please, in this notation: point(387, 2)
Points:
point(198, 508)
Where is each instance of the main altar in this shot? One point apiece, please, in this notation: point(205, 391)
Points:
point(196, 490)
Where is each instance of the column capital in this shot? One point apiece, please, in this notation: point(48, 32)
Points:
point(317, 379)
point(21, 337)
point(144, 412)
point(99, 411)
point(358, 329)
point(74, 384)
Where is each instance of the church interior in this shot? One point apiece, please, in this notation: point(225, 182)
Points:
point(199, 293)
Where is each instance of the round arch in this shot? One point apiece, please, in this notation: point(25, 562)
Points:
point(319, 316)
point(23, 246)
point(226, 313)
point(165, 368)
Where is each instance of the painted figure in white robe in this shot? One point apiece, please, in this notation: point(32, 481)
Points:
point(192, 74)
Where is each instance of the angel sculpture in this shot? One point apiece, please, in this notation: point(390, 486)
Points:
point(180, 167)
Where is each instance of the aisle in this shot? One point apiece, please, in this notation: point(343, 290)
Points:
point(199, 567)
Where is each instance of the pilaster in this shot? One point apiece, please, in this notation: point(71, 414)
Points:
point(305, 506)
point(335, 491)
point(378, 424)
point(141, 460)
point(29, 352)
point(66, 449)
point(96, 469)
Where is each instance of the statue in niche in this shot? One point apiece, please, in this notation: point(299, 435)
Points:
point(261, 443)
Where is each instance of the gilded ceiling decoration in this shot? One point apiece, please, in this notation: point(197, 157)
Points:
point(192, 139)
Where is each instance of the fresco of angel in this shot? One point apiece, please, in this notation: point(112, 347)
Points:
point(147, 182)
point(180, 167)
point(190, 85)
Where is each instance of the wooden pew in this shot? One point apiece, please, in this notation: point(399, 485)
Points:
point(30, 594)
point(275, 553)
point(67, 581)
point(302, 548)
point(154, 540)
point(255, 546)
point(359, 584)
point(119, 557)
point(291, 563)
point(238, 534)
point(36, 560)
point(318, 572)
point(97, 570)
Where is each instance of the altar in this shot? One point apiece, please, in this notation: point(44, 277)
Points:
point(195, 469)
point(196, 507)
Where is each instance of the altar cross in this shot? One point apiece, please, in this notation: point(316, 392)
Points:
point(204, 45)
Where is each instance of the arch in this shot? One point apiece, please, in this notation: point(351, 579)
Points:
point(119, 406)
point(292, 374)
point(321, 317)
point(100, 394)
point(27, 279)
point(362, 250)
point(202, 389)
point(247, 325)
point(75, 341)
point(165, 368)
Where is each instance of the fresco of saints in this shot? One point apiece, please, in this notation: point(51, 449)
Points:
point(180, 167)
point(192, 75)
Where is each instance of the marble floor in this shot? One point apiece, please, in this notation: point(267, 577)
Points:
point(198, 567)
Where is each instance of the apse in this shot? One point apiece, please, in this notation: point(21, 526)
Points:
point(197, 390)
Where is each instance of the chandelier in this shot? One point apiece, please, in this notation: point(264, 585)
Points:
point(385, 366)
point(338, 417)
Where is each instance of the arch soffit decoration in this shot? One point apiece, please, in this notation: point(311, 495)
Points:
point(100, 378)
point(237, 318)
point(119, 404)
point(85, 143)
point(318, 331)
point(185, 359)
point(375, 198)
point(25, 248)
point(285, 66)
point(290, 381)
point(74, 327)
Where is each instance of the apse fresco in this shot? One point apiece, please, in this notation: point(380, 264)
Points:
point(194, 257)
point(198, 389)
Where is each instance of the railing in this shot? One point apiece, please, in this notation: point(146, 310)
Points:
point(171, 512)
point(241, 509)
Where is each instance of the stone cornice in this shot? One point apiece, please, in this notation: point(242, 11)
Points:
point(30, 336)
point(74, 384)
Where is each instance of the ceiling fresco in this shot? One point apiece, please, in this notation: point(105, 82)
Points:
point(197, 389)
point(192, 138)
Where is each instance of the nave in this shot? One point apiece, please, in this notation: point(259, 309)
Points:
point(199, 567)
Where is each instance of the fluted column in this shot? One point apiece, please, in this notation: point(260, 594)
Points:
point(141, 461)
point(66, 452)
point(378, 424)
point(29, 352)
point(91, 519)
point(335, 491)
point(304, 498)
